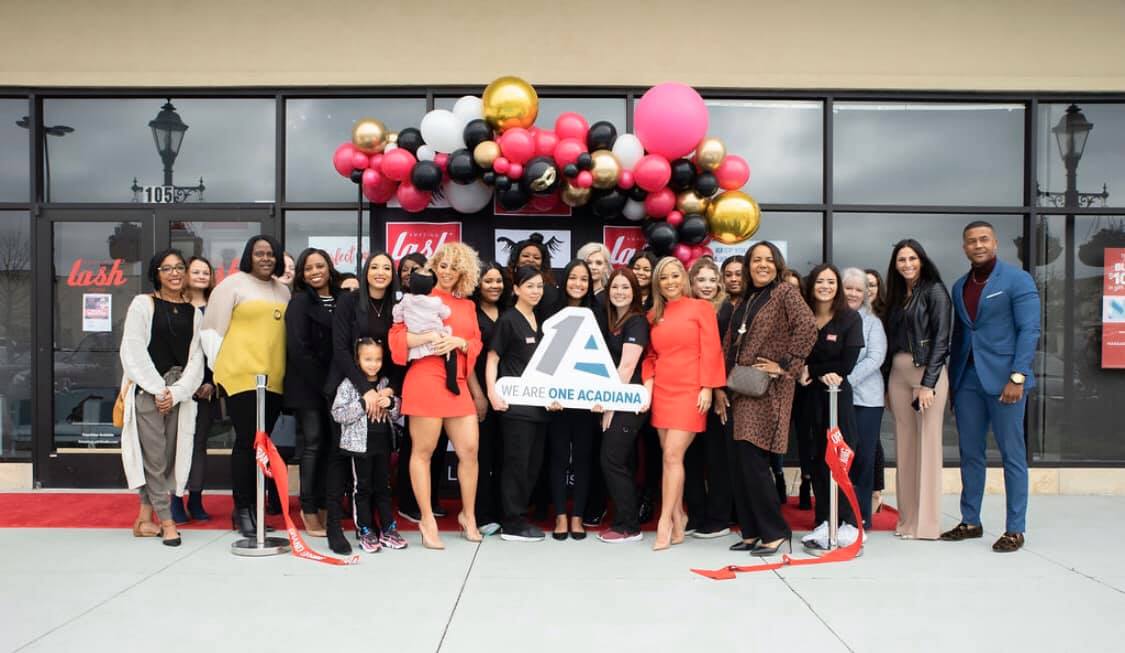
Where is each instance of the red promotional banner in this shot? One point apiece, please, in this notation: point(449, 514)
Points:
point(623, 244)
point(425, 237)
point(1113, 309)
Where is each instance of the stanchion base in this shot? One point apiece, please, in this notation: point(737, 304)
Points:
point(817, 552)
point(249, 547)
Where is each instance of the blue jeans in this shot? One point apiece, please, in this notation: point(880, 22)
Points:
point(975, 410)
point(868, 420)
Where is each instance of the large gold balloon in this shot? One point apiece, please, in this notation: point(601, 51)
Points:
point(689, 202)
point(369, 135)
point(710, 153)
point(606, 169)
point(510, 102)
point(575, 196)
point(733, 217)
point(485, 153)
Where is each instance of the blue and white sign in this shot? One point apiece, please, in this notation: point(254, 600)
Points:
point(572, 365)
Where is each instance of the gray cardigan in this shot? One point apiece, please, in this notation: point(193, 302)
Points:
point(349, 412)
point(866, 377)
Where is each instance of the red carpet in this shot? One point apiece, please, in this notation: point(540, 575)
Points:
point(117, 510)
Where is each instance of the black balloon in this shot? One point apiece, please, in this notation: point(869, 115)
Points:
point(705, 184)
point(571, 171)
point(410, 139)
point(540, 176)
point(503, 182)
point(489, 177)
point(585, 161)
point(461, 167)
point(426, 175)
point(694, 229)
point(662, 238)
point(608, 203)
point(683, 175)
point(476, 132)
point(602, 136)
point(357, 176)
point(512, 198)
point(638, 194)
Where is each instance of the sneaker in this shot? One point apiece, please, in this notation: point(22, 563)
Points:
point(413, 516)
point(614, 536)
point(524, 532)
point(491, 528)
point(369, 541)
point(691, 528)
point(847, 534)
point(819, 533)
point(390, 539)
point(711, 532)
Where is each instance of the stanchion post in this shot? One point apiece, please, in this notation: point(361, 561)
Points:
point(260, 545)
point(833, 490)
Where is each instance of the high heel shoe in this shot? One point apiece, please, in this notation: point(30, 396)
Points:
point(763, 550)
point(169, 525)
point(313, 526)
point(876, 502)
point(577, 529)
point(473, 535)
point(743, 545)
point(679, 528)
point(430, 538)
point(663, 536)
point(557, 535)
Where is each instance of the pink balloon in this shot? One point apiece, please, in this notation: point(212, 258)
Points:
point(571, 125)
point(412, 199)
point(733, 172)
point(707, 251)
point(660, 203)
point(360, 161)
point(375, 185)
point(670, 119)
point(545, 142)
point(501, 166)
point(625, 180)
point(385, 191)
point(342, 159)
point(584, 179)
point(441, 159)
point(697, 251)
point(652, 172)
point(515, 171)
point(376, 161)
point(675, 218)
point(517, 144)
point(682, 251)
point(398, 163)
point(567, 151)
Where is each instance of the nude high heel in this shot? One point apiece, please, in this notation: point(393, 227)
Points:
point(470, 534)
point(663, 536)
point(430, 538)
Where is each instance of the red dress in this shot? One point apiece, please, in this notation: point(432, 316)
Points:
point(684, 356)
point(423, 391)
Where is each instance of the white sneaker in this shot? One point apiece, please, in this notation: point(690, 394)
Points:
point(846, 535)
point(819, 533)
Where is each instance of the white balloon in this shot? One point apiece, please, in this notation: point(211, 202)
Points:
point(469, 198)
point(468, 108)
point(634, 210)
point(425, 153)
point(628, 150)
point(443, 131)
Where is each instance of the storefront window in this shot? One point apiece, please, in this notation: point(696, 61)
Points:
point(15, 336)
point(928, 153)
point(799, 235)
point(783, 141)
point(14, 140)
point(228, 146)
point(550, 108)
point(332, 231)
point(1098, 145)
point(315, 128)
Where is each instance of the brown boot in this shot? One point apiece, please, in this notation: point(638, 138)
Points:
point(313, 526)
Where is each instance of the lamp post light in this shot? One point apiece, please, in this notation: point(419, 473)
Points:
point(168, 131)
point(54, 130)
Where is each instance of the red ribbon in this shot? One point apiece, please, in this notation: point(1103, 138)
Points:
point(839, 457)
point(271, 464)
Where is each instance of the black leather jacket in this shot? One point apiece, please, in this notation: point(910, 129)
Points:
point(929, 329)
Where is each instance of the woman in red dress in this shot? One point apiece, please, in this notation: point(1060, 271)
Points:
point(425, 398)
point(683, 365)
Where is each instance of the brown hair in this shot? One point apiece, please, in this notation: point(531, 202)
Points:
point(636, 307)
point(707, 263)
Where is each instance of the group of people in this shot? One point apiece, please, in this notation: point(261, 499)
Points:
point(737, 358)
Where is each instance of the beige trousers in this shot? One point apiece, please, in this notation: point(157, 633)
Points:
point(157, 434)
point(918, 449)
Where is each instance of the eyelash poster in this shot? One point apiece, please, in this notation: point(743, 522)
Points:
point(97, 312)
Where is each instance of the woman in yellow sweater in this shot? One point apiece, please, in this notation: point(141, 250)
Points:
point(243, 335)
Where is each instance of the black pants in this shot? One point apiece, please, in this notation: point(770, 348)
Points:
point(312, 435)
point(880, 467)
point(204, 416)
point(523, 456)
point(755, 497)
point(862, 473)
point(243, 410)
point(707, 480)
point(489, 461)
point(405, 490)
point(803, 401)
point(617, 455)
point(571, 437)
point(815, 407)
point(371, 478)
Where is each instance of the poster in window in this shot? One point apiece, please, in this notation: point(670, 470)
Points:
point(97, 312)
point(1113, 309)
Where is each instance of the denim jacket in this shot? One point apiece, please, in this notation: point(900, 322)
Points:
point(350, 413)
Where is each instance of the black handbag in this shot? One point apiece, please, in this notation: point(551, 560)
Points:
point(746, 380)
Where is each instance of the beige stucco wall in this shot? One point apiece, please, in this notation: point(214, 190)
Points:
point(911, 44)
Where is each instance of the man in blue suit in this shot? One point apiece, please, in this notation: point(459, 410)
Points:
point(994, 338)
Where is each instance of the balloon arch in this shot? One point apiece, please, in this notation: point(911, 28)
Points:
point(669, 174)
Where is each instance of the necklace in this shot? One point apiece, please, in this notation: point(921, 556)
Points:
point(174, 304)
point(377, 307)
point(973, 278)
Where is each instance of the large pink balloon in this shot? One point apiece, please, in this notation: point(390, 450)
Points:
point(571, 125)
point(567, 151)
point(670, 119)
point(360, 161)
point(660, 203)
point(545, 142)
point(398, 163)
point(412, 199)
point(342, 159)
point(517, 144)
point(682, 251)
point(733, 172)
point(377, 187)
point(652, 172)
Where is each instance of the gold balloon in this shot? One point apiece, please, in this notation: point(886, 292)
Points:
point(689, 202)
point(710, 153)
point(485, 153)
point(392, 137)
point(575, 196)
point(369, 135)
point(606, 169)
point(733, 217)
point(510, 102)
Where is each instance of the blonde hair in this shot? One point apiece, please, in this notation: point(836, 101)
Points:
point(658, 301)
point(589, 249)
point(707, 263)
point(463, 259)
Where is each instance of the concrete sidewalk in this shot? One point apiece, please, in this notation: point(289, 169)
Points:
point(101, 590)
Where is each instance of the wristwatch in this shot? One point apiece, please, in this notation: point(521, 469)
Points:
point(1017, 378)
